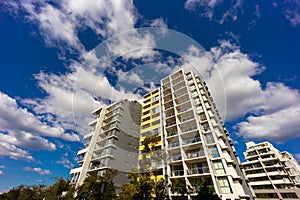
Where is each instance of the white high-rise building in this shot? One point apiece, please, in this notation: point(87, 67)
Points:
point(112, 143)
point(272, 174)
point(190, 146)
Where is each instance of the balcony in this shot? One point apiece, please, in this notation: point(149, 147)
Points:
point(185, 130)
point(182, 110)
point(170, 134)
point(168, 107)
point(97, 166)
point(191, 140)
point(179, 172)
point(187, 118)
point(88, 136)
point(195, 154)
point(170, 124)
point(82, 151)
point(176, 158)
point(199, 170)
point(173, 145)
point(170, 115)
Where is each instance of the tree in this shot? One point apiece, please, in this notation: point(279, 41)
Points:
point(59, 190)
point(128, 191)
point(179, 186)
point(206, 192)
point(97, 187)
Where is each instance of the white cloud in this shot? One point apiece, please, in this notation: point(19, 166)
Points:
point(18, 121)
point(14, 152)
point(66, 162)
point(159, 22)
point(210, 8)
point(59, 23)
point(37, 170)
point(27, 140)
point(278, 126)
point(132, 45)
point(273, 109)
point(130, 77)
point(1, 172)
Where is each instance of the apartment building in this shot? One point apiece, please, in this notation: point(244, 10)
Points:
point(184, 142)
point(272, 174)
point(112, 143)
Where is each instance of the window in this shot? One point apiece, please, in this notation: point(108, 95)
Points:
point(155, 98)
point(290, 195)
point(155, 131)
point(219, 167)
point(214, 152)
point(205, 127)
point(224, 185)
point(199, 108)
point(155, 110)
point(202, 117)
point(209, 138)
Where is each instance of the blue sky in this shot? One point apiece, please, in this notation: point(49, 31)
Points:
point(52, 76)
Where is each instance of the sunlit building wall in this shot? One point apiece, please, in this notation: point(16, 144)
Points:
point(189, 144)
point(272, 174)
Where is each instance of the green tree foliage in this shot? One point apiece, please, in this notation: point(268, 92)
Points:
point(35, 192)
point(179, 186)
point(97, 187)
point(206, 192)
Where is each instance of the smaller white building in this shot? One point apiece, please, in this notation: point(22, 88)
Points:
point(112, 143)
point(272, 174)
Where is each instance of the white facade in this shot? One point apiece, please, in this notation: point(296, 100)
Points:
point(272, 174)
point(112, 142)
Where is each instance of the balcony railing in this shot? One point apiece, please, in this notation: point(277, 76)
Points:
point(196, 154)
point(191, 140)
point(173, 145)
point(179, 172)
point(189, 129)
point(176, 158)
point(187, 118)
point(171, 133)
point(170, 124)
point(199, 170)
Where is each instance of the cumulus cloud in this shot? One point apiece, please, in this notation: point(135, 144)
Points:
point(14, 152)
point(272, 109)
point(18, 121)
point(37, 170)
point(59, 23)
point(278, 126)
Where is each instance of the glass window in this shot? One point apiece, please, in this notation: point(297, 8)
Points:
point(155, 131)
point(209, 138)
point(214, 152)
point(155, 98)
point(224, 185)
point(155, 110)
point(219, 167)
